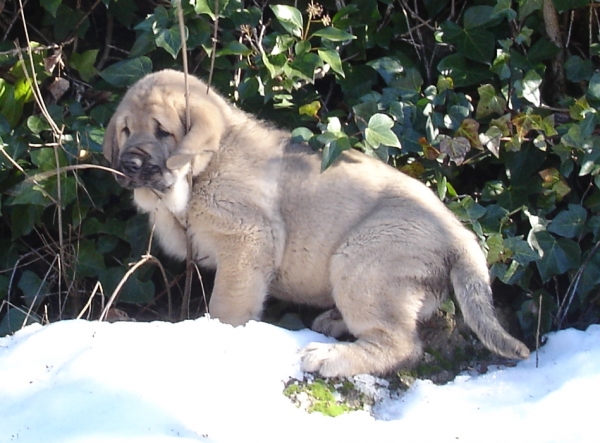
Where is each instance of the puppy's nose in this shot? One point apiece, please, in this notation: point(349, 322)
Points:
point(131, 166)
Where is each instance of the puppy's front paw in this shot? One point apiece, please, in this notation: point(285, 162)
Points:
point(330, 323)
point(326, 359)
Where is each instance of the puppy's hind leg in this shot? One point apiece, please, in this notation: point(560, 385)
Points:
point(380, 310)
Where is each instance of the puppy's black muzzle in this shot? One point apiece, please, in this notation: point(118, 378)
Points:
point(143, 167)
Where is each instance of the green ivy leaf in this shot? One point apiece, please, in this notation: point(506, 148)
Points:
point(579, 109)
point(45, 158)
point(501, 66)
point(525, 122)
point(363, 112)
point(145, 43)
point(409, 84)
point(389, 68)
point(127, 72)
point(290, 18)
point(526, 7)
point(489, 103)
point(548, 126)
point(302, 47)
point(30, 195)
point(510, 275)
point(68, 189)
point(565, 5)
point(463, 72)
point(203, 7)
point(473, 43)
point(333, 34)
point(332, 58)
point(302, 135)
point(491, 140)
point(84, 64)
point(467, 209)
point(455, 116)
point(10, 108)
point(531, 87)
point(569, 223)
point(170, 40)
point(133, 291)
point(23, 90)
point(303, 66)
point(559, 255)
point(479, 16)
point(578, 69)
point(541, 50)
point(578, 137)
point(495, 248)
point(4, 285)
point(51, 6)
point(503, 9)
point(379, 132)
point(274, 64)
point(89, 261)
point(37, 124)
point(594, 226)
point(520, 251)
point(552, 179)
point(590, 277)
point(469, 129)
point(34, 288)
point(593, 91)
point(15, 319)
point(333, 149)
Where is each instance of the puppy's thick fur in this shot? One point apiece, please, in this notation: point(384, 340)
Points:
point(375, 246)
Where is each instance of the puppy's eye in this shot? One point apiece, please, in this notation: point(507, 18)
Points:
point(161, 133)
point(154, 169)
point(126, 131)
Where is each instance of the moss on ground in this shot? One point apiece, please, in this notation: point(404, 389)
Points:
point(327, 397)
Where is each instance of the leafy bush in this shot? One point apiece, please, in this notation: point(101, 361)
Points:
point(493, 103)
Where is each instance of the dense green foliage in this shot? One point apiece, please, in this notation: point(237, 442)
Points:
point(493, 103)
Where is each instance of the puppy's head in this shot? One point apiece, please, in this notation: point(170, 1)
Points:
point(147, 139)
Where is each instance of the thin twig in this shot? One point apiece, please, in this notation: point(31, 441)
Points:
point(33, 79)
point(202, 288)
point(187, 291)
point(18, 50)
point(110, 25)
point(145, 259)
point(12, 23)
point(564, 307)
point(47, 174)
point(80, 22)
point(18, 166)
point(57, 133)
point(97, 287)
point(188, 122)
point(537, 333)
point(9, 305)
point(214, 47)
point(61, 259)
point(35, 297)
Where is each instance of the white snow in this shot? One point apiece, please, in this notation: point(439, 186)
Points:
point(202, 381)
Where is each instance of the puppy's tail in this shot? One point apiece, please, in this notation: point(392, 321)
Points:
point(470, 278)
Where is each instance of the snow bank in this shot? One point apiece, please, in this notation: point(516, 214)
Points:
point(78, 381)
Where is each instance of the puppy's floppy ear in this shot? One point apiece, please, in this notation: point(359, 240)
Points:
point(204, 136)
point(109, 145)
